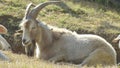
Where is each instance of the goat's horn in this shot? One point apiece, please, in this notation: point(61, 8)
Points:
point(36, 9)
point(28, 9)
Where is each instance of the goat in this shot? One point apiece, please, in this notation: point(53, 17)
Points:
point(117, 40)
point(59, 44)
point(3, 30)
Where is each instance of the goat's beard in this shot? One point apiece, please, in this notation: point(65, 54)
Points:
point(29, 49)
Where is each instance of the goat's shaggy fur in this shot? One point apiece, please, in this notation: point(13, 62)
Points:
point(59, 44)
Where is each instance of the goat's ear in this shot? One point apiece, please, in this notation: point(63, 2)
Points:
point(3, 30)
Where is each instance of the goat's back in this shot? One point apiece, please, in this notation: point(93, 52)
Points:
point(79, 46)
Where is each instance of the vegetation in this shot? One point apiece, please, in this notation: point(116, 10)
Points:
point(84, 15)
point(22, 61)
point(93, 16)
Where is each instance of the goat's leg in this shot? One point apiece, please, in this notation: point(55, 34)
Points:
point(56, 58)
point(30, 50)
point(99, 56)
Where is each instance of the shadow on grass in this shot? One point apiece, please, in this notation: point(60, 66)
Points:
point(113, 4)
point(10, 22)
point(69, 10)
point(106, 25)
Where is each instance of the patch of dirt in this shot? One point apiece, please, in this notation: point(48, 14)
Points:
point(11, 23)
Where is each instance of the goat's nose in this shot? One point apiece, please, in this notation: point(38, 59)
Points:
point(23, 40)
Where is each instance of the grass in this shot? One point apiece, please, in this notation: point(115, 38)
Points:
point(22, 61)
point(84, 17)
point(88, 17)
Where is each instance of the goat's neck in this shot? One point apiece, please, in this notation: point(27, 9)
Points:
point(45, 40)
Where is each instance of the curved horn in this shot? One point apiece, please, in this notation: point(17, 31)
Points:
point(36, 9)
point(28, 9)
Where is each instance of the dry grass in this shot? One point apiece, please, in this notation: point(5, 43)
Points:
point(22, 61)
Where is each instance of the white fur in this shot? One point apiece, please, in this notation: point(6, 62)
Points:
point(4, 44)
point(37, 51)
point(76, 48)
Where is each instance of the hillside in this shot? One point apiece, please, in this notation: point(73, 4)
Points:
point(82, 16)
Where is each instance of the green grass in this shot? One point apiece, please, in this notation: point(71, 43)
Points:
point(86, 16)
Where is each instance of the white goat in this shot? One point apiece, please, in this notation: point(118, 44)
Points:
point(117, 40)
point(58, 44)
point(3, 30)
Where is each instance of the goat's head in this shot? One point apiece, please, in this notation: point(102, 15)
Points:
point(29, 24)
